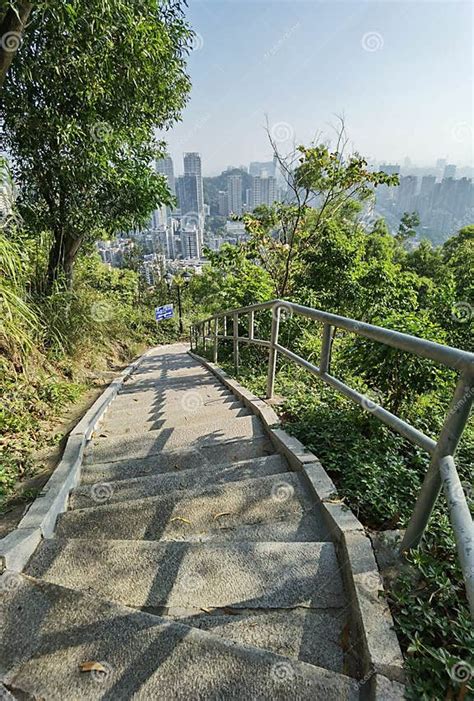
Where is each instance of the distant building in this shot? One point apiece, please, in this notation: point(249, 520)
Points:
point(234, 194)
point(164, 166)
point(449, 171)
point(263, 191)
point(187, 191)
point(190, 243)
point(223, 203)
point(406, 193)
point(263, 168)
point(192, 166)
point(425, 198)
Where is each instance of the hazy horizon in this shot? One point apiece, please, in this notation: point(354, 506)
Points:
point(400, 73)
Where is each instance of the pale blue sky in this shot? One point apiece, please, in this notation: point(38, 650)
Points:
point(400, 72)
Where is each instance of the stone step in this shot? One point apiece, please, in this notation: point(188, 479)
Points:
point(180, 457)
point(208, 457)
point(49, 631)
point(285, 597)
point(179, 515)
point(108, 492)
point(115, 447)
point(152, 389)
point(192, 407)
point(140, 422)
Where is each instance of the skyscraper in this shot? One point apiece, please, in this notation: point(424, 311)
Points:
point(192, 166)
point(234, 194)
point(164, 166)
point(188, 195)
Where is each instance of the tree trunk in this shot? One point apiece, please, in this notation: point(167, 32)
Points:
point(11, 30)
point(61, 259)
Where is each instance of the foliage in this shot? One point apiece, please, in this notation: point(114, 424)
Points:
point(408, 225)
point(81, 107)
point(230, 280)
point(48, 359)
point(389, 372)
point(325, 186)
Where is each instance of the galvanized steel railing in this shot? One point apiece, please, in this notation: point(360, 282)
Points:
point(442, 471)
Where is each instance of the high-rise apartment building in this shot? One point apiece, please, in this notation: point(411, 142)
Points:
point(406, 193)
point(192, 166)
point(263, 168)
point(234, 194)
point(188, 195)
point(223, 203)
point(190, 242)
point(164, 166)
point(263, 191)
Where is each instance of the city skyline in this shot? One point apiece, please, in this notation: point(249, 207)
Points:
point(384, 66)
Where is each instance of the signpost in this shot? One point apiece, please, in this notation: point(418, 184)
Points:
point(164, 312)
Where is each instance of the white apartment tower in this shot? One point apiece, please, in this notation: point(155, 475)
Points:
point(264, 191)
point(234, 194)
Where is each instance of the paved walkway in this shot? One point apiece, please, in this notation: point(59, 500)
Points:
point(192, 564)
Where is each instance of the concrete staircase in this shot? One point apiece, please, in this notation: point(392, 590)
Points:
point(192, 564)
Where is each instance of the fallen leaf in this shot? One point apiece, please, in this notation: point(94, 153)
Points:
point(92, 667)
point(180, 518)
point(177, 467)
point(206, 610)
point(222, 513)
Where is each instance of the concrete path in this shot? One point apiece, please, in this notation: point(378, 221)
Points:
point(192, 564)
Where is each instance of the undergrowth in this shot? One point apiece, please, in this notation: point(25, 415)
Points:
point(378, 475)
point(54, 347)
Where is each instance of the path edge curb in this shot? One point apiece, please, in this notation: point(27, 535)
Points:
point(381, 655)
point(39, 521)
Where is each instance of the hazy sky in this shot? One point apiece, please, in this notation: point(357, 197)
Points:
point(401, 73)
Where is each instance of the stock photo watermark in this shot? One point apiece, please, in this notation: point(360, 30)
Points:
point(372, 41)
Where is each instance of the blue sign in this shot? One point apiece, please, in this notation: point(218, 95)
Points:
point(164, 312)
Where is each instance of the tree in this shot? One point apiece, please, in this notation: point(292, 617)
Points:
point(13, 19)
point(323, 185)
point(458, 255)
point(94, 81)
point(408, 224)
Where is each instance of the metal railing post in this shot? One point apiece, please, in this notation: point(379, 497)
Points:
point(236, 342)
point(325, 359)
point(251, 324)
point(191, 331)
point(224, 326)
point(204, 337)
point(461, 520)
point(448, 440)
point(216, 331)
point(272, 355)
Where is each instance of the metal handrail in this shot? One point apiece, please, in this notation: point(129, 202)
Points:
point(442, 470)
